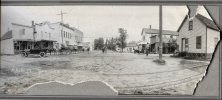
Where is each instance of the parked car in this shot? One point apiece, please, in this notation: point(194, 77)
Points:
point(40, 52)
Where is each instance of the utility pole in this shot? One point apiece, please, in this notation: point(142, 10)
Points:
point(160, 34)
point(61, 14)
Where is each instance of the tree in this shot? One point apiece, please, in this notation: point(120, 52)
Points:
point(98, 43)
point(122, 38)
point(172, 45)
point(111, 44)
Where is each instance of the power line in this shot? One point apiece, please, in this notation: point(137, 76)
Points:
point(62, 13)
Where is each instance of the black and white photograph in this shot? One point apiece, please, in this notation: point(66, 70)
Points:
point(105, 49)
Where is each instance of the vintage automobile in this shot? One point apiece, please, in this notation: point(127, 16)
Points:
point(40, 52)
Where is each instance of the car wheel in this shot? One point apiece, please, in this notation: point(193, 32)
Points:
point(24, 54)
point(42, 54)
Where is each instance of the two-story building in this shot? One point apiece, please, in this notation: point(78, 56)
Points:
point(169, 38)
point(20, 38)
point(39, 35)
point(66, 35)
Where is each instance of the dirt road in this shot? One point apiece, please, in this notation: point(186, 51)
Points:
point(127, 72)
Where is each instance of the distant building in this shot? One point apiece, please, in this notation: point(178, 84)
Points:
point(130, 47)
point(87, 45)
point(151, 36)
point(198, 35)
point(66, 35)
point(39, 35)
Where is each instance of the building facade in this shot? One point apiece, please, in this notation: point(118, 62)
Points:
point(66, 35)
point(198, 35)
point(39, 35)
point(169, 38)
point(130, 47)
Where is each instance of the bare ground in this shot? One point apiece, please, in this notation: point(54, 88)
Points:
point(128, 73)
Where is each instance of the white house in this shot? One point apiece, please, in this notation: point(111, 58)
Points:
point(130, 47)
point(20, 38)
point(151, 36)
point(198, 35)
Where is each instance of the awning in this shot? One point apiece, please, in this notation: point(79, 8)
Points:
point(48, 40)
point(143, 42)
point(28, 40)
point(80, 44)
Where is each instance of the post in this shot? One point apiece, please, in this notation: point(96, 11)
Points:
point(160, 33)
point(61, 24)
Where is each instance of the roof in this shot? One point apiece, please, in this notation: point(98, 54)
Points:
point(156, 31)
point(44, 23)
point(184, 20)
point(67, 26)
point(132, 44)
point(206, 21)
point(21, 25)
point(75, 29)
point(7, 35)
point(209, 23)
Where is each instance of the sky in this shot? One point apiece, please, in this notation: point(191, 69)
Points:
point(98, 21)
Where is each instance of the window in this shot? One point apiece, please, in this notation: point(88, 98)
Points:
point(198, 42)
point(67, 43)
point(191, 25)
point(66, 34)
point(22, 31)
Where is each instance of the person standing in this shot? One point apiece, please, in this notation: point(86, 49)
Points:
point(88, 49)
point(147, 49)
point(103, 49)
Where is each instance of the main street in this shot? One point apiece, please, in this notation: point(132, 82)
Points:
point(128, 73)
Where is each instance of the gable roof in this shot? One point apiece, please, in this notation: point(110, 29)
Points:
point(206, 21)
point(209, 23)
point(7, 35)
point(156, 31)
point(184, 20)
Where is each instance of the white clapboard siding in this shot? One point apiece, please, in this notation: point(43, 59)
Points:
point(199, 29)
point(7, 46)
point(22, 33)
point(211, 35)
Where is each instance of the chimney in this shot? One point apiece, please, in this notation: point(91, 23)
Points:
point(33, 26)
point(150, 26)
point(192, 10)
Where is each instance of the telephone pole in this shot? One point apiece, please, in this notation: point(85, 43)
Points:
point(61, 14)
point(160, 47)
point(160, 34)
